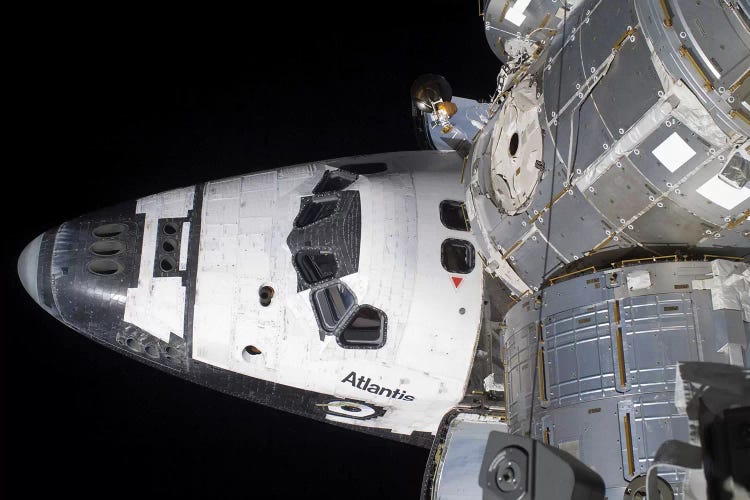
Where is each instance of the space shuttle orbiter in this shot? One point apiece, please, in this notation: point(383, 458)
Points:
point(556, 278)
point(345, 290)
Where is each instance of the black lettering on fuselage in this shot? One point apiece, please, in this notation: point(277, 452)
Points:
point(351, 378)
point(385, 390)
point(363, 383)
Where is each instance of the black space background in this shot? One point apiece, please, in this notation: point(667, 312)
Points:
point(113, 105)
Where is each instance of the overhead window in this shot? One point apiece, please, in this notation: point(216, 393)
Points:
point(365, 168)
point(331, 304)
point(365, 329)
point(453, 215)
point(457, 256)
point(315, 265)
point(317, 209)
point(334, 180)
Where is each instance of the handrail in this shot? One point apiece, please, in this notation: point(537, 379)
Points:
point(685, 52)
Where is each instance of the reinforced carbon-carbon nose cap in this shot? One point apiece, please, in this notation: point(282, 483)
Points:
point(28, 264)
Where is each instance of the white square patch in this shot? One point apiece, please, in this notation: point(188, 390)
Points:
point(674, 152)
point(723, 194)
point(515, 16)
point(516, 13)
point(638, 280)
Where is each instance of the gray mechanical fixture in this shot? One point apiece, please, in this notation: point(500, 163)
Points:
point(591, 361)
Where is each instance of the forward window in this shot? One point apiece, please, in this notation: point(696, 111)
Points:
point(317, 209)
point(366, 329)
point(331, 305)
point(315, 266)
point(334, 180)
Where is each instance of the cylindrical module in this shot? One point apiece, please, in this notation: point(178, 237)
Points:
point(591, 362)
point(640, 143)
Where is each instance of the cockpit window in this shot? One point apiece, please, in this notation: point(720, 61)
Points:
point(457, 256)
point(334, 180)
point(315, 265)
point(317, 209)
point(365, 329)
point(331, 304)
point(453, 215)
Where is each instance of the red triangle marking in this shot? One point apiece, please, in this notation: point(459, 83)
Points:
point(456, 281)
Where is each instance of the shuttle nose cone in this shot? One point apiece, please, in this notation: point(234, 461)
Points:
point(27, 267)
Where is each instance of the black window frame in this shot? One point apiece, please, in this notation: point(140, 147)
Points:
point(458, 243)
point(461, 207)
point(303, 214)
point(310, 270)
point(334, 180)
point(375, 343)
point(323, 303)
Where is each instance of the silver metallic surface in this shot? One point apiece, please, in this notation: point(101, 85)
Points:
point(591, 362)
point(633, 147)
point(505, 20)
point(717, 37)
point(465, 445)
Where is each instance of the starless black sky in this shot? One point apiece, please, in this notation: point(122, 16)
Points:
point(121, 104)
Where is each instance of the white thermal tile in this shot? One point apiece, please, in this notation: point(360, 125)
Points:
point(184, 241)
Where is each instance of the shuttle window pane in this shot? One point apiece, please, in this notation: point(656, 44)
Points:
point(453, 215)
point(457, 256)
point(365, 329)
point(317, 209)
point(315, 266)
point(334, 180)
point(331, 304)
